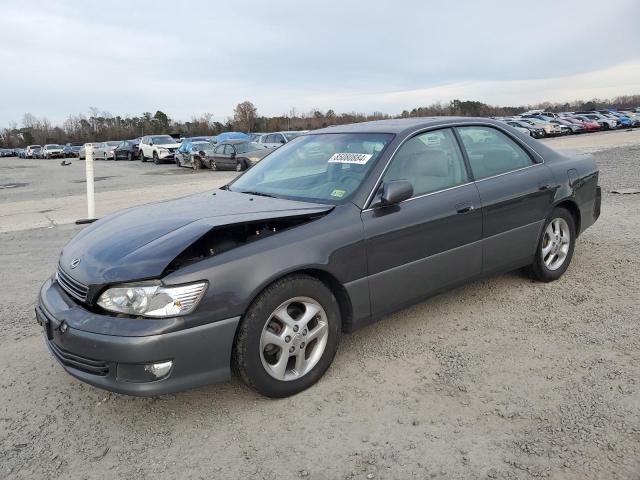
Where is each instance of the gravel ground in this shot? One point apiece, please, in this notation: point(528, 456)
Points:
point(501, 379)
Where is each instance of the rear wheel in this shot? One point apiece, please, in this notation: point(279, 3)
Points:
point(555, 248)
point(288, 337)
point(240, 166)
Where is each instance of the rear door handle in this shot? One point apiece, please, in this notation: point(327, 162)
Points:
point(542, 188)
point(464, 207)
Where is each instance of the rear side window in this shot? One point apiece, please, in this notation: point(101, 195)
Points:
point(491, 152)
point(430, 161)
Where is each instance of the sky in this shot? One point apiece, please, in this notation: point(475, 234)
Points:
point(190, 57)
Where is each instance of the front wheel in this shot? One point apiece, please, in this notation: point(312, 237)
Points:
point(288, 336)
point(156, 159)
point(240, 166)
point(555, 247)
point(142, 158)
point(197, 164)
point(129, 156)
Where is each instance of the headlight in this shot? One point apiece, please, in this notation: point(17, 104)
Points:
point(152, 299)
point(163, 150)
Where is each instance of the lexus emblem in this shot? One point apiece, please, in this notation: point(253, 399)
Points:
point(74, 263)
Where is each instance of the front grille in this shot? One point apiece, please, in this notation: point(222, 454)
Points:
point(87, 365)
point(74, 288)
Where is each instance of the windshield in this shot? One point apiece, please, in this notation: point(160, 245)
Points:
point(113, 144)
point(162, 140)
point(325, 168)
point(51, 145)
point(248, 147)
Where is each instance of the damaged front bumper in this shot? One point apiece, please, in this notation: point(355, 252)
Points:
point(199, 355)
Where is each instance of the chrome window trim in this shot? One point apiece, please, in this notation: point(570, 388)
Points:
point(526, 148)
point(424, 195)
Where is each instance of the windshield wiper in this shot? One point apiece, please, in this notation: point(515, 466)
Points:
point(260, 194)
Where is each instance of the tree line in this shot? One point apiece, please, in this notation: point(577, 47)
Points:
point(96, 126)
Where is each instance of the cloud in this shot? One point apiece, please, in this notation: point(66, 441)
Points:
point(186, 58)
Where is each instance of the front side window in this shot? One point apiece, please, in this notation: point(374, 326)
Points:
point(431, 161)
point(324, 167)
point(491, 152)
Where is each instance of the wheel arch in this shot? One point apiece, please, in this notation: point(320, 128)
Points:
point(329, 280)
point(573, 209)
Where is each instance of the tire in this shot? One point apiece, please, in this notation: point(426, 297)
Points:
point(547, 267)
point(156, 159)
point(213, 165)
point(197, 164)
point(252, 356)
point(129, 157)
point(177, 162)
point(142, 159)
point(240, 166)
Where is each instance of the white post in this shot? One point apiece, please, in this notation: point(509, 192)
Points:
point(91, 201)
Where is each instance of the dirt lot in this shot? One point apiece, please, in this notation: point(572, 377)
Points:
point(501, 379)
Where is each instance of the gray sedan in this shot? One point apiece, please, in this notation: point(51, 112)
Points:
point(328, 233)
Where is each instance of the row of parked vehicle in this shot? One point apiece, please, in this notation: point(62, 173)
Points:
point(238, 151)
point(227, 151)
point(539, 123)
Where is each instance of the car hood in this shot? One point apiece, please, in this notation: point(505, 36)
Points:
point(140, 242)
point(168, 145)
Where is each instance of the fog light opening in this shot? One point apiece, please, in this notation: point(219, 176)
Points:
point(160, 369)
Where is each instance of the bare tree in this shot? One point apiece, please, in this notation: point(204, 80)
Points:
point(244, 116)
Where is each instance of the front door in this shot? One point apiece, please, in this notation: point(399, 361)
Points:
point(431, 241)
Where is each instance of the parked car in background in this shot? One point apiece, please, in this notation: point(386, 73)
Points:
point(37, 152)
point(159, 148)
point(589, 125)
point(194, 155)
point(104, 150)
point(53, 150)
point(519, 128)
point(534, 130)
point(82, 153)
point(72, 150)
point(604, 122)
point(277, 139)
point(31, 150)
point(185, 146)
point(127, 150)
point(573, 127)
point(236, 155)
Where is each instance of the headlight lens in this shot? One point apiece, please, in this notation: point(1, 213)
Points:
point(163, 150)
point(153, 299)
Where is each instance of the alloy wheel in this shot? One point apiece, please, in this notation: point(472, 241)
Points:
point(294, 339)
point(556, 243)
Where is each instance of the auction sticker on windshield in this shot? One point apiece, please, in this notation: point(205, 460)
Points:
point(357, 158)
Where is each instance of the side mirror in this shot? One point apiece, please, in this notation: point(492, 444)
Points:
point(283, 141)
point(394, 192)
point(151, 144)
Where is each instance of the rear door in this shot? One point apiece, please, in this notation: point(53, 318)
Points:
point(516, 190)
point(431, 241)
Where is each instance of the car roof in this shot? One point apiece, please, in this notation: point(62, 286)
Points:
point(402, 125)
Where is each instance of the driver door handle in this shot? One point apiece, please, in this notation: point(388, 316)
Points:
point(464, 207)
